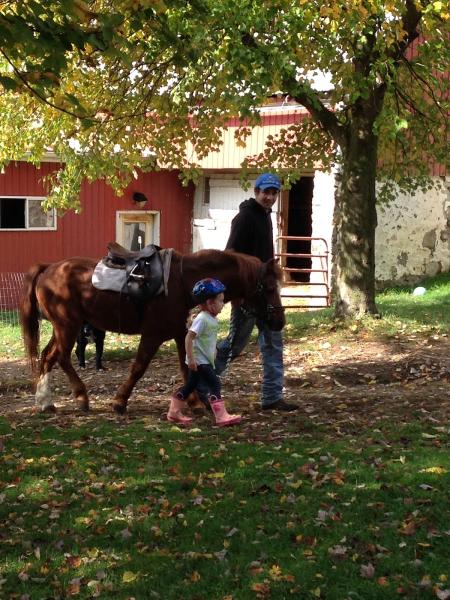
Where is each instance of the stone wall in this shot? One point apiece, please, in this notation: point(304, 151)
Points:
point(413, 236)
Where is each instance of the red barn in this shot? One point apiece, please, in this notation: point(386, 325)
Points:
point(155, 208)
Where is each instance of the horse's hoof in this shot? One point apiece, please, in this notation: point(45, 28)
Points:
point(198, 411)
point(50, 408)
point(119, 408)
point(83, 404)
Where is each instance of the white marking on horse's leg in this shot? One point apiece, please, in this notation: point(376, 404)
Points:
point(43, 394)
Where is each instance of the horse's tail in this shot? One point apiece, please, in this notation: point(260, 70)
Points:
point(29, 315)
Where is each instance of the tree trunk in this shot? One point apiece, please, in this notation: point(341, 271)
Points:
point(355, 220)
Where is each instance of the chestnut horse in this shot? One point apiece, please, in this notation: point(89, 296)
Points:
point(63, 293)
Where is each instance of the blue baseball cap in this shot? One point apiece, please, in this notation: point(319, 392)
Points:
point(268, 180)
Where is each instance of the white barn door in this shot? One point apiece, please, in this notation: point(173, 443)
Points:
point(216, 202)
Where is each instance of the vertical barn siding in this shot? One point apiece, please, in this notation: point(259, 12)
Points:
point(231, 156)
point(87, 233)
point(436, 169)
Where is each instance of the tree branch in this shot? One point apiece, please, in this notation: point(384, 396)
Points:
point(34, 92)
point(410, 19)
point(309, 98)
point(427, 86)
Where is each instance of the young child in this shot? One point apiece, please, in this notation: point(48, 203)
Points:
point(200, 355)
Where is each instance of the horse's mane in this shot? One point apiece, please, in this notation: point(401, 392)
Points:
point(247, 266)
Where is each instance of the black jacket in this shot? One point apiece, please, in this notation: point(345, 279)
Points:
point(251, 231)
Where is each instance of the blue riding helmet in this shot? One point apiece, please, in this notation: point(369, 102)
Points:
point(268, 180)
point(207, 288)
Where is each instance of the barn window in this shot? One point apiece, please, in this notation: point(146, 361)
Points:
point(207, 191)
point(25, 213)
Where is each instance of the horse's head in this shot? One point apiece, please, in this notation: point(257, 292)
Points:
point(265, 303)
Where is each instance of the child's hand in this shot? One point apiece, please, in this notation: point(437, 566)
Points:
point(192, 364)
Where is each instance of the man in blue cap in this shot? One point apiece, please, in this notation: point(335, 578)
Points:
point(251, 233)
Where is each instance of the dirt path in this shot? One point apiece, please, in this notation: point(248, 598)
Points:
point(343, 386)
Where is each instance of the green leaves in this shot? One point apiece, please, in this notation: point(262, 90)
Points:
point(149, 65)
point(8, 82)
point(401, 124)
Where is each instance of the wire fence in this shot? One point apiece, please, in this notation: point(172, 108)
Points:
point(10, 290)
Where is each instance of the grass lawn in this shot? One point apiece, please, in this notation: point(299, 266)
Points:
point(110, 507)
point(113, 510)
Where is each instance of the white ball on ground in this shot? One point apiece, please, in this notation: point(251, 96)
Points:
point(419, 291)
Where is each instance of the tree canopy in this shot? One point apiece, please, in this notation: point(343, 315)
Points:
point(115, 85)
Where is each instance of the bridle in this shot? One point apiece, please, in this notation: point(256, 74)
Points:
point(257, 305)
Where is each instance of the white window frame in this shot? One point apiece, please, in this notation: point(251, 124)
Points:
point(135, 214)
point(27, 226)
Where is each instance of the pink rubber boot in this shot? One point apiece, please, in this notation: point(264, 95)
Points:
point(175, 413)
point(223, 418)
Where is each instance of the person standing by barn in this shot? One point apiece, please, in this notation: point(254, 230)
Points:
point(251, 233)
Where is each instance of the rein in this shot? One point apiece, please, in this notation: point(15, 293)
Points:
point(185, 290)
point(260, 297)
point(257, 305)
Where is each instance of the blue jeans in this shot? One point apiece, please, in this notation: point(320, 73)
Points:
point(204, 379)
point(271, 347)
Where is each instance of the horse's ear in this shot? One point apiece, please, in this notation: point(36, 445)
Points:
point(273, 266)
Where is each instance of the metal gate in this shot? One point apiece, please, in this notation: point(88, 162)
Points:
point(319, 265)
point(10, 291)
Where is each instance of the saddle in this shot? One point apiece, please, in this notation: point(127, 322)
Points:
point(119, 256)
point(144, 269)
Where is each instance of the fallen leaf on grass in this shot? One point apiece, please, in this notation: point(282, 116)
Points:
point(232, 531)
point(275, 572)
point(73, 561)
point(338, 551)
point(436, 470)
point(262, 589)
point(73, 588)
point(425, 582)
point(126, 534)
point(408, 528)
point(367, 571)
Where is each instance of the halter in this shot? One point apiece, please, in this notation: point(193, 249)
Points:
point(259, 298)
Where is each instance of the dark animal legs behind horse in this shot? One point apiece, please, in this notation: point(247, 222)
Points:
point(89, 333)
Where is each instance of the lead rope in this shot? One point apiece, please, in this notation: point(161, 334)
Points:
point(231, 336)
point(184, 288)
point(233, 324)
point(181, 273)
